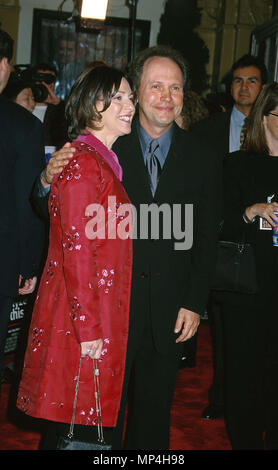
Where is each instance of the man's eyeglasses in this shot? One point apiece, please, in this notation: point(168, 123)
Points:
point(273, 114)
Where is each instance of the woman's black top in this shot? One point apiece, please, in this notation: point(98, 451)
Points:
point(250, 179)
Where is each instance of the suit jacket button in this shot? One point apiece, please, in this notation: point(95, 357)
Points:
point(143, 275)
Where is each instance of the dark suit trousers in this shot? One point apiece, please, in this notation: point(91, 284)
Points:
point(149, 385)
point(250, 325)
point(5, 310)
point(216, 392)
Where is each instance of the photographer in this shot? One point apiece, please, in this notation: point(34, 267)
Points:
point(46, 75)
point(49, 108)
point(20, 92)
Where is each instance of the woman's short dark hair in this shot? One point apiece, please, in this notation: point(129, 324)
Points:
point(266, 102)
point(14, 87)
point(94, 84)
point(136, 69)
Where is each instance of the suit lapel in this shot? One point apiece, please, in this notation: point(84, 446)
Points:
point(226, 131)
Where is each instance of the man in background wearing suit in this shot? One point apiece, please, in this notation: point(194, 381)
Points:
point(223, 129)
point(21, 158)
point(170, 282)
point(226, 132)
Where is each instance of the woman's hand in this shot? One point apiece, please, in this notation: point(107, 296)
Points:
point(92, 348)
point(28, 285)
point(264, 210)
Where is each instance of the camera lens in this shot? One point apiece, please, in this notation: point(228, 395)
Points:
point(40, 93)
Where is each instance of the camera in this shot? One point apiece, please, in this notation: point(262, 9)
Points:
point(28, 74)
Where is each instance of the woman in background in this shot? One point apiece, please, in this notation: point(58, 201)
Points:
point(193, 110)
point(250, 321)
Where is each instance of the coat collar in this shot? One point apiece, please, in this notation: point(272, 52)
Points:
point(108, 155)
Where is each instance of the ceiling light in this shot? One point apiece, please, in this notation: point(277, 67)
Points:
point(94, 9)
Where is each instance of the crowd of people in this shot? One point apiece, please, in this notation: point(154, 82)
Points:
point(115, 291)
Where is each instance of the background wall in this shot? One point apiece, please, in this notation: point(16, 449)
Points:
point(146, 10)
point(9, 18)
point(226, 25)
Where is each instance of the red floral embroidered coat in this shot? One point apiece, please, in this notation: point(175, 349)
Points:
point(83, 295)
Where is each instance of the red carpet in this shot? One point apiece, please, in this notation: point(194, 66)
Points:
point(188, 430)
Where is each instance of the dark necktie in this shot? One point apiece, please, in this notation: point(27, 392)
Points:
point(243, 134)
point(153, 165)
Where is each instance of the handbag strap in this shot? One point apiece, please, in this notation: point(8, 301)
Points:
point(243, 237)
point(97, 399)
point(98, 404)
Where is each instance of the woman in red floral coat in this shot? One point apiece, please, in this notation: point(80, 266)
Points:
point(82, 306)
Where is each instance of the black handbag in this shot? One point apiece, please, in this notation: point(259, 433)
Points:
point(235, 268)
point(69, 443)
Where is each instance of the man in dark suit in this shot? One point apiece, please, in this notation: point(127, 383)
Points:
point(226, 132)
point(223, 129)
point(21, 158)
point(170, 274)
